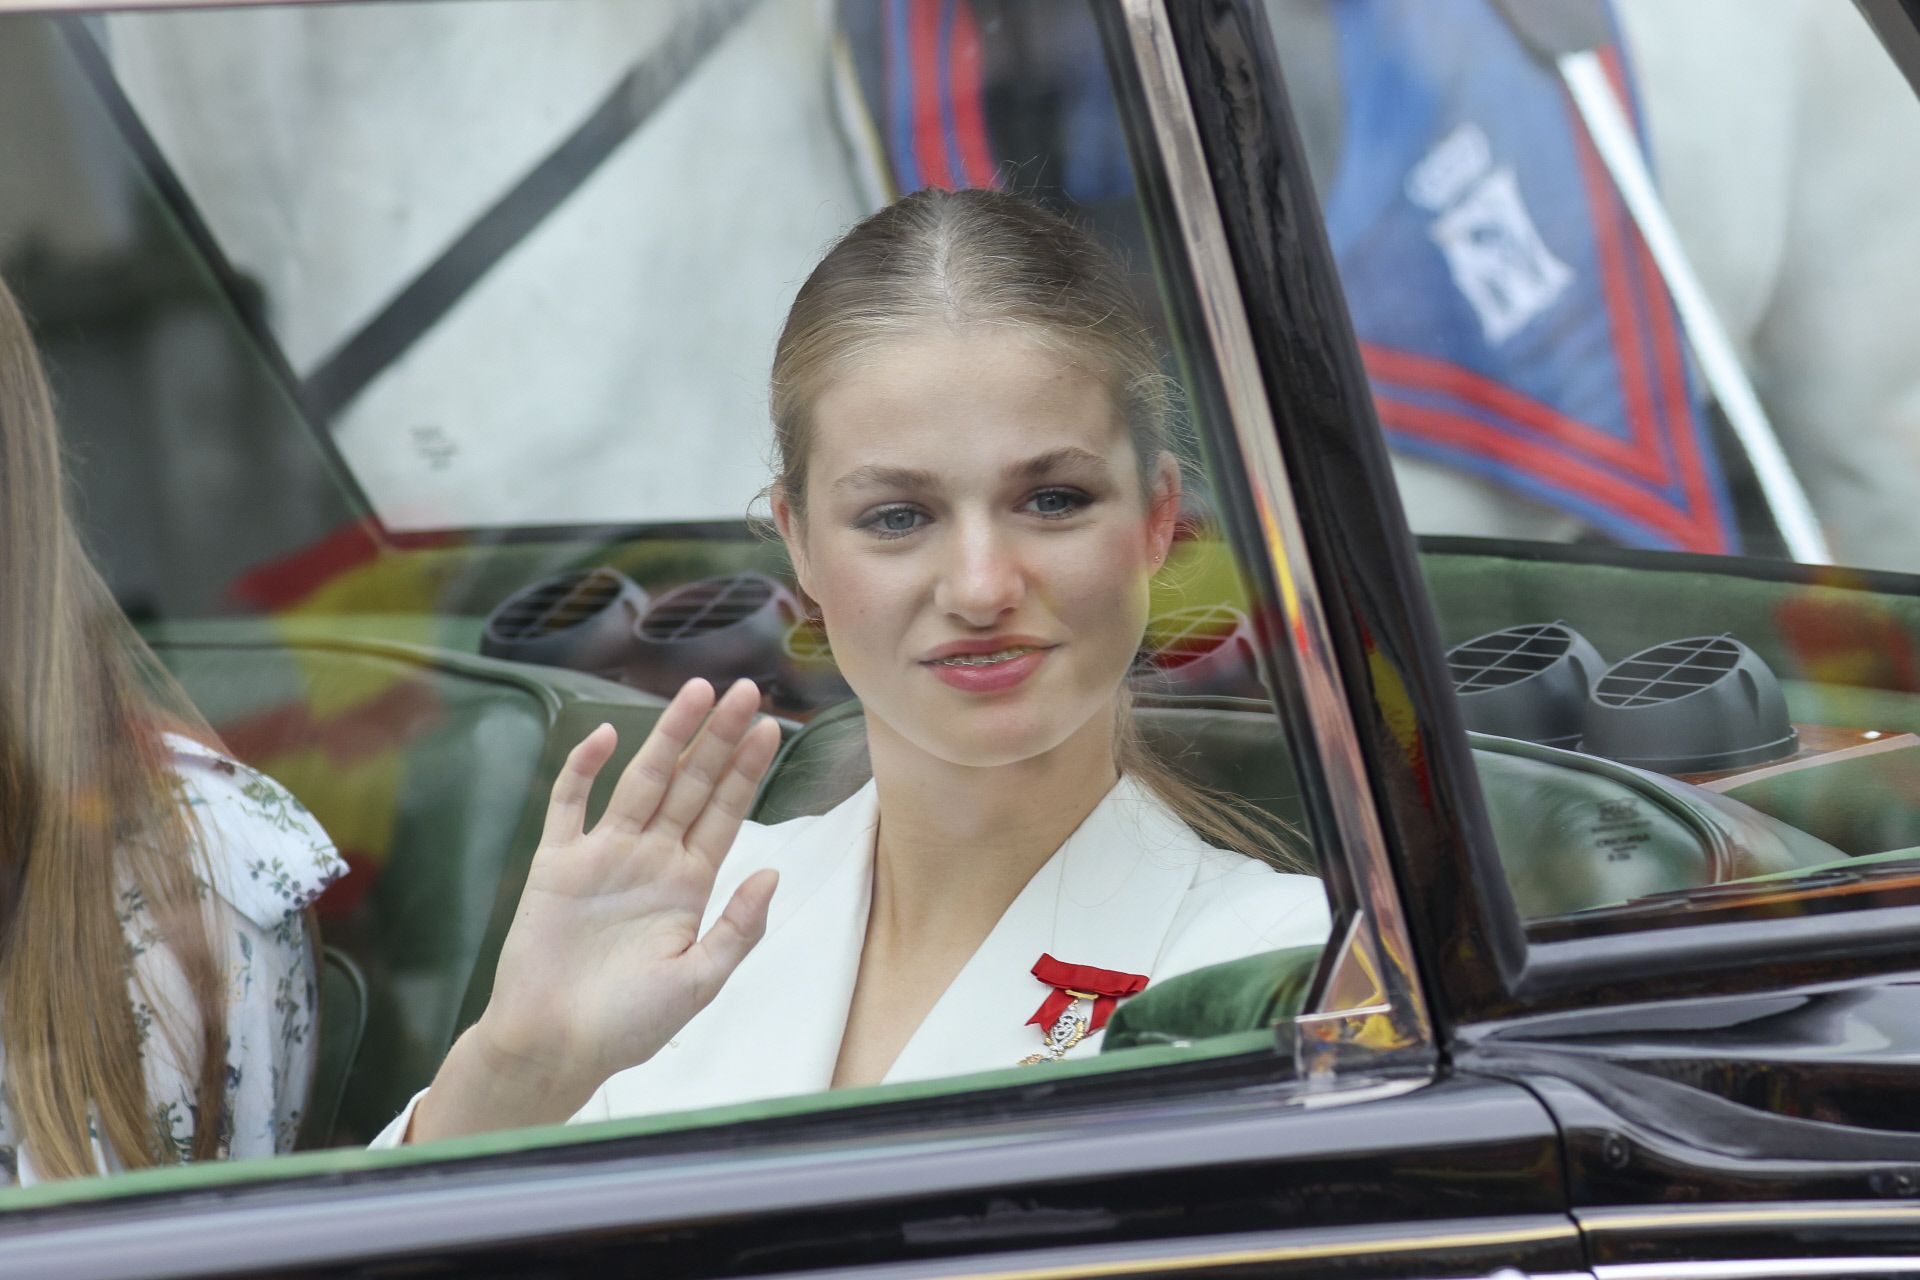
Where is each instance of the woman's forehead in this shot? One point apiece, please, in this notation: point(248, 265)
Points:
point(977, 399)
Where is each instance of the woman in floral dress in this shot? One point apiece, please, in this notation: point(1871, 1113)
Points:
point(157, 978)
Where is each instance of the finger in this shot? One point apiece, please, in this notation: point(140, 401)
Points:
point(567, 806)
point(712, 833)
point(704, 763)
point(646, 778)
point(737, 931)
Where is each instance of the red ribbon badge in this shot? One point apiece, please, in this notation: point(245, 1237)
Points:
point(1072, 982)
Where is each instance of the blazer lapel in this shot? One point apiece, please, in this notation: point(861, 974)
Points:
point(776, 1027)
point(1106, 898)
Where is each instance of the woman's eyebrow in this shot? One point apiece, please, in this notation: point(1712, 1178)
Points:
point(1072, 457)
point(875, 476)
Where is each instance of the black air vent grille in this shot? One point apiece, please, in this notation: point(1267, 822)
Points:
point(558, 605)
point(701, 608)
point(1667, 672)
point(1188, 635)
point(1507, 657)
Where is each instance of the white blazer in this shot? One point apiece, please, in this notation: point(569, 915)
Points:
point(1132, 889)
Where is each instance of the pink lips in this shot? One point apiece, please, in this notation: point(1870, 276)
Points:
point(992, 678)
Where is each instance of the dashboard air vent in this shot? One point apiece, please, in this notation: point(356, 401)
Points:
point(1529, 681)
point(581, 620)
point(1697, 705)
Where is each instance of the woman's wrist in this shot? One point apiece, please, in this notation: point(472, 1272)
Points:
point(482, 1087)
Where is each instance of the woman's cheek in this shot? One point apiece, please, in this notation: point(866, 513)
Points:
point(1104, 572)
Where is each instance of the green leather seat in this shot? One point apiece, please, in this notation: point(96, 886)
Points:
point(430, 770)
point(1575, 831)
point(343, 1024)
point(1240, 995)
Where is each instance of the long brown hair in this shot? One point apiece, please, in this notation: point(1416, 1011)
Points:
point(989, 257)
point(89, 815)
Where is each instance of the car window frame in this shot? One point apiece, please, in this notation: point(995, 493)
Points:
point(1335, 1064)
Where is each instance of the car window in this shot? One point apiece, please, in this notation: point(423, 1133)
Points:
point(1628, 283)
point(410, 370)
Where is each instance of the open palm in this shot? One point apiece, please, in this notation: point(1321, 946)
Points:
point(605, 962)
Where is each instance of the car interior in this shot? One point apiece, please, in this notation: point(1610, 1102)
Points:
point(437, 796)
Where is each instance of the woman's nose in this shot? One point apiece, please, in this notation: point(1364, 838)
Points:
point(982, 580)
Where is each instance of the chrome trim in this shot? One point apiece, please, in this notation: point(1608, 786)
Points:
point(1211, 1253)
point(1637, 1225)
point(1325, 1039)
point(1760, 1268)
point(1681, 1217)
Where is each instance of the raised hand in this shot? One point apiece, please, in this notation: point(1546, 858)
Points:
point(604, 962)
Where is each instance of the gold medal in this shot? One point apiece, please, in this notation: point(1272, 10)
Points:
point(1068, 1030)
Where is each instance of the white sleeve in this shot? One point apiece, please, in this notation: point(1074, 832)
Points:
point(395, 1134)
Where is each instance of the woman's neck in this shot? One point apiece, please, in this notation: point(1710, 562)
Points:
point(957, 844)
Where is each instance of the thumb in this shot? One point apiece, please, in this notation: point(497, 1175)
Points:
point(737, 931)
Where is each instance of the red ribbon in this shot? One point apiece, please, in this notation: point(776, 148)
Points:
point(1071, 982)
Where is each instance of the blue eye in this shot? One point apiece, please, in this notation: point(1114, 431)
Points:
point(1057, 503)
point(894, 522)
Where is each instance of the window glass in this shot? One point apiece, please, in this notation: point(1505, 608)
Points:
point(409, 372)
point(1630, 283)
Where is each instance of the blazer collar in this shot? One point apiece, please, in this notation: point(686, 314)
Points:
point(1106, 898)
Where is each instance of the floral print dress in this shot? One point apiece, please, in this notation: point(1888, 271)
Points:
point(268, 860)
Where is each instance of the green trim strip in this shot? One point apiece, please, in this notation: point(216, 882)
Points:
point(201, 1178)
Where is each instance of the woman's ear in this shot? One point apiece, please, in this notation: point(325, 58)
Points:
point(792, 533)
point(1163, 506)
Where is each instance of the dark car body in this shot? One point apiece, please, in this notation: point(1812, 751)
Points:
point(1730, 1092)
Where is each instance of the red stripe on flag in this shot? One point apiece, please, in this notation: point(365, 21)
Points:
point(279, 583)
point(969, 121)
point(385, 724)
point(1423, 372)
point(1712, 535)
point(923, 52)
point(1672, 375)
point(1538, 459)
point(1614, 283)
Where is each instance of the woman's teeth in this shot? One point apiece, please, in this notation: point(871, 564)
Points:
point(985, 659)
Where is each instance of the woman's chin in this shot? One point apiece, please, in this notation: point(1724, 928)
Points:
point(983, 737)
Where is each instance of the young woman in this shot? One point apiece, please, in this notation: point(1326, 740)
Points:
point(975, 486)
point(156, 974)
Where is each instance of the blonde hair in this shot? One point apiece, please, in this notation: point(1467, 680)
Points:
point(984, 257)
point(89, 810)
